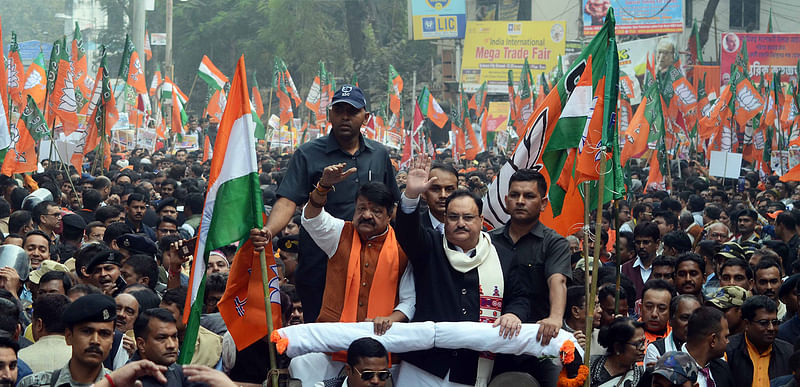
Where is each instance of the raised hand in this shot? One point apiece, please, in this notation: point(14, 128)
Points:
point(335, 173)
point(417, 181)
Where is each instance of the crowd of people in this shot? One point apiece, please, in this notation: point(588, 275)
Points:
point(93, 280)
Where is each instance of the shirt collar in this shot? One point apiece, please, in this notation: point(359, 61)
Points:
point(638, 263)
point(434, 222)
point(752, 348)
point(686, 351)
point(332, 145)
point(537, 231)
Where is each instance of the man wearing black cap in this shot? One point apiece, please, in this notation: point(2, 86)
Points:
point(89, 330)
point(344, 144)
point(71, 236)
point(104, 271)
point(132, 244)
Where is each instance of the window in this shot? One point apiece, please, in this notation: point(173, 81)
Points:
point(744, 14)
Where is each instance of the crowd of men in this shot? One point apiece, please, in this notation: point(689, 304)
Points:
point(93, 283)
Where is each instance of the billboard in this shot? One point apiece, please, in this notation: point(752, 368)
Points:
point(438, 19)
point(634, 16)
point(766, 53)
point(491, 48)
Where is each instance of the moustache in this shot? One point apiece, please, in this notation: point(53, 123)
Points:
point(366, 221)
point(94, 349)
point(462, 229)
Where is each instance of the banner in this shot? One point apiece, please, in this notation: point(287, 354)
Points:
point(438, 19)
point(634, 16)
point(633, 56)
point(766, 53)
point(497, 116)
point(491, 48)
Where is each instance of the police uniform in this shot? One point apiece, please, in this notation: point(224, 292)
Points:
point(89, 308)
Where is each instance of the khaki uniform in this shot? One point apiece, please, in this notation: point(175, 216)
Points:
point(56, 378)
point(207, 349)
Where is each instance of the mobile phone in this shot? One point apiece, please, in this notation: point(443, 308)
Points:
point(121, 284)
point(188, 247)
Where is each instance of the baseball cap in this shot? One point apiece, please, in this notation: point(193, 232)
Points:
point(350, 94)
point(728, 296)
point(677, 367)
point(46, 267)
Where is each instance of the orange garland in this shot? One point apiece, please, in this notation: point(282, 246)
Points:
point(567, 352)
point(564, 381)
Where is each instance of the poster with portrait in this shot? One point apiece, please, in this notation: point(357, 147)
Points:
point(634, 16)
point(767, 53)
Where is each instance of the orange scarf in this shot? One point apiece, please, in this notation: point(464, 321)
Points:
point(382, 293)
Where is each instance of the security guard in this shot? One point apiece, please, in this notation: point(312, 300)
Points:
point(89, 330)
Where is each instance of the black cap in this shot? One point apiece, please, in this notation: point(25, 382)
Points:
point(108, 256)
point(74, 221)
point(90, 308)
point(137, 244)
point(350, 94)
point(789, 285)
point(289, 243)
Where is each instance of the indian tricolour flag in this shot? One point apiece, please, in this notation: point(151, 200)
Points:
point(211, 74)
point(233, 201)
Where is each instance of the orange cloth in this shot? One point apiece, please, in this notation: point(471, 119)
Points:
point(760, 363)
point(382, 293)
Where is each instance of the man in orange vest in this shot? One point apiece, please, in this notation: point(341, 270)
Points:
point(369, 277)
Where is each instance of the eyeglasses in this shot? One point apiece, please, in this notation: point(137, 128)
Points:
point(765, 323)
point(368, 375)
point(455, 217)
point(56, 214)
point(638, 344)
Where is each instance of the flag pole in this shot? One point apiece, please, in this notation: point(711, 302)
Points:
point(590, 302)
point(586, 276)
point(269, 105)
point(617, 261)
point(273, 365)
point(189, 97)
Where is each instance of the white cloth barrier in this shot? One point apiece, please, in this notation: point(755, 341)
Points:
point(334, 337)
point(406, 337)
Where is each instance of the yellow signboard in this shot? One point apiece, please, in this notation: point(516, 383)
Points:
point(491, 48)
point(497, 116)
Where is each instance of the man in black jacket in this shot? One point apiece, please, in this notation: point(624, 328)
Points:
point(756, 356)
point(460, 278)
point(543, 263)
point(707, 338)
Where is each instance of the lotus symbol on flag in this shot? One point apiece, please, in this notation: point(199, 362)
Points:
point(68, 103)
point(135, 74)
point(747, 100)
point(758, 140)
point(274, 286)
point(685, 94)
point(35, 78)
point(13, 74)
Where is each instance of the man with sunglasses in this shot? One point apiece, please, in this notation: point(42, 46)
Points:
point(757, 356)
point(367, 366)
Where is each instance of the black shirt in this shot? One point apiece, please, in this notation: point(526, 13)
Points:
point(305, 170)
point(538, 254)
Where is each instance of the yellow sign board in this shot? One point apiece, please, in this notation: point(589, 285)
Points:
point(491, 48)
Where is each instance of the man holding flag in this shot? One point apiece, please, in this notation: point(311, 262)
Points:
point(345, 144)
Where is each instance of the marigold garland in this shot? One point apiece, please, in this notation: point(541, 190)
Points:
point(579, 380)
point(567, 352)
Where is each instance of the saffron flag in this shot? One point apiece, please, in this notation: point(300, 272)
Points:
point(232, 207)
point(62, 101)
point(148, 51)
point(104, 111)
point(81, 80)
point(35, 81)
point(30, 128)
point(179, 117)
point(257, 97)
point(431, 108)
point(136, 74)
point(395, 88)
point(215, 79)
point(15, 72)
point(216, 105)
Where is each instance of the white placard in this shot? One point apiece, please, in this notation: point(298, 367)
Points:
point(725, 164)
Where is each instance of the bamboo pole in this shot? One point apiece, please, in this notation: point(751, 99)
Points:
point(586, 277)
point(189, 97)
point(273, 365)
point(617, 261)
point(590, 301)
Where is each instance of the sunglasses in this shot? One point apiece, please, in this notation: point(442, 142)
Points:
point(368, 375)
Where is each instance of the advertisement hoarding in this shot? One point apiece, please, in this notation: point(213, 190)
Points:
point(491, 48)
point(634, 16)
point(438, 19)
